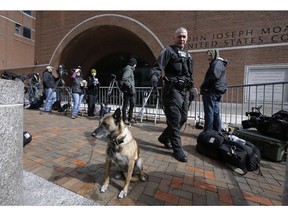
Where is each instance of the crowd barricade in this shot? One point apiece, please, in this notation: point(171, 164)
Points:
point(236, 102)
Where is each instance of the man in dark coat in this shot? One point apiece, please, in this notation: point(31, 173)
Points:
point(92, 92)
point(129, 91)
point(212, 88)
point(49, 84)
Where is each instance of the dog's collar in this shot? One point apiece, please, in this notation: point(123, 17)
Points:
point(117, 142)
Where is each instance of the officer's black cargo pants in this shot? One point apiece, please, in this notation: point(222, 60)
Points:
point(175, 106)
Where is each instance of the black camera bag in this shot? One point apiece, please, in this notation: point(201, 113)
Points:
point(216, 146)
point(208, 144)
point(27, 138)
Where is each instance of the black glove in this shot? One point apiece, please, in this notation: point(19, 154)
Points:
point(193, 94)
point(154, 81)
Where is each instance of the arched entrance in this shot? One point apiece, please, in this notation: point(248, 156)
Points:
point(106, 42)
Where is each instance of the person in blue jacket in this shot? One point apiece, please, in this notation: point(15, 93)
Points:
point(212, 88)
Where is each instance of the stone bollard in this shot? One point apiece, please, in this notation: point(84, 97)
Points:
point(11, 142)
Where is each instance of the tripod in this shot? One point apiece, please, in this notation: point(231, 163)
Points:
point(145, 100)
point(113, 83)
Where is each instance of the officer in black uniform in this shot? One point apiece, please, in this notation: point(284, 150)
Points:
point(177, 89)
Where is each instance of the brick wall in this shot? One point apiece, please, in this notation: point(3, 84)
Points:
point(234, 33)
point(16, 51)
point(84, 37)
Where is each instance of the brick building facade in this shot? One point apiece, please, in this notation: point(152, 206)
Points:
point(105, 40)
point(17, 39)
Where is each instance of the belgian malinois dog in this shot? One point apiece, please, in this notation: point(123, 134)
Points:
point(122, 150)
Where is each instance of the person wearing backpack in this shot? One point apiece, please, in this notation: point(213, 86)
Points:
point(129, 91)
point(212, 88)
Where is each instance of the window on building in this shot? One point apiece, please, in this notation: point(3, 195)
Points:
point(17, 29)
point(259, 74)
point(28, 13)
point(26, 32)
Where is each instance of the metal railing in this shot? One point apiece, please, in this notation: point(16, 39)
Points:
point(238, 100)
point(115, 99)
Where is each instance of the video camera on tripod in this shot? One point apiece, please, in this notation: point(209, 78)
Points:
point(275, 126)
point(61, 71)
point(255, 112)
point(254, 118)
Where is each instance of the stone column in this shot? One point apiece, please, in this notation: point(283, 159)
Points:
point(11, 142)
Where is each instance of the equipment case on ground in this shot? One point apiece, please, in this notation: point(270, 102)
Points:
point(270, 148)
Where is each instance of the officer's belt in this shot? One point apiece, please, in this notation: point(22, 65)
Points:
point(179, 83)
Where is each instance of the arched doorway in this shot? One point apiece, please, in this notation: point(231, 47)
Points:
point(107, 45)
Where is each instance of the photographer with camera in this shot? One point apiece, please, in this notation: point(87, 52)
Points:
point(61, 72)
point(93, 86)
point(49, 84)
point(78, 86)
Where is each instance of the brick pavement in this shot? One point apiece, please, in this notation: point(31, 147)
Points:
point(63, 152)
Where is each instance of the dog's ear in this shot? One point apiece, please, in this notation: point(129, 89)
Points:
point(117, 115)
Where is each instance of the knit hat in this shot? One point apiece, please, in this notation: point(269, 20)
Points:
point(214, 54)
point(132, 62)
point(93, 71)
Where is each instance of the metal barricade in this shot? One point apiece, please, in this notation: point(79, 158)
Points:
point(238, 100)
point(64, 95)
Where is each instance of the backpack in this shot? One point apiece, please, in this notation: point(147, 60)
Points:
point(122, 86)
point(219, 147)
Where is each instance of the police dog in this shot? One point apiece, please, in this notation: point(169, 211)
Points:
point(122, 150)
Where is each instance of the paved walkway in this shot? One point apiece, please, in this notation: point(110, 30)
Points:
point(63, 152)
point(40, 192)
